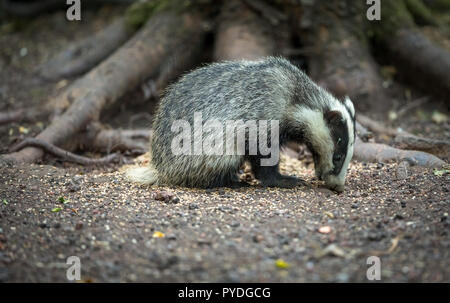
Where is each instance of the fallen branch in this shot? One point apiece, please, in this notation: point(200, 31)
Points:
point(63, 154)
point(138, 59)
point(84, 55)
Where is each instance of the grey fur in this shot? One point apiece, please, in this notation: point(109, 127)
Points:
point(270, 89)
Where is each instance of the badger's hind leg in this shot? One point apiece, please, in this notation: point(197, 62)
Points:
point(217, 171)
point(270, 176)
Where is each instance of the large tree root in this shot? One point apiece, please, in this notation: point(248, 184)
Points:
point(27, 9)
point(24, 115)
point(428, 68)
point(420, 61)
point(112, 140)
point(63, 154)
point(375, 152)
point(137, 60)
point(405, 140)
point(242, 34)
point(340, 60)
point(84, 55)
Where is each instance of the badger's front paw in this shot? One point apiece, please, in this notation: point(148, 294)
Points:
point(283, 181)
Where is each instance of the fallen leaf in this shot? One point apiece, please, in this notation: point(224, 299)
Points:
point(23, 130)
point(333, 250)
point(56, 209)
point(329, 214)
point(158, 234)
point(280, 263)
point(440, 173)
point(438, 117)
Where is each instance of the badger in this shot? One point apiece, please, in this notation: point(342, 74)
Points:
point(272, 90)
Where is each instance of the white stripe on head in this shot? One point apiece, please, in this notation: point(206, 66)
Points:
point(317, 132)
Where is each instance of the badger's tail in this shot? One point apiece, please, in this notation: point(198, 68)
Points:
point(147, 175)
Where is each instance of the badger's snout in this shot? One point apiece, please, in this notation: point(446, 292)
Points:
point(335, 183)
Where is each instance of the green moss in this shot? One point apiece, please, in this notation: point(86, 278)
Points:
point(394, 16)
point(440, 5)
point(138, 13)
point(421, 13)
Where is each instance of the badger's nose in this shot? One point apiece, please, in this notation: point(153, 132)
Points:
point(337, 188)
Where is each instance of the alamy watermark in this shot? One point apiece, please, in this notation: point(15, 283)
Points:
point(374, 10)
point(73, 273)
point(374, 271)
point(74, 11)
point(214, 137)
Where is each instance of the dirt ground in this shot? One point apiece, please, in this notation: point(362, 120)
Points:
point(52, 210)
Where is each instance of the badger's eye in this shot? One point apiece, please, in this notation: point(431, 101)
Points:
point(339, 140)
point(337, 158)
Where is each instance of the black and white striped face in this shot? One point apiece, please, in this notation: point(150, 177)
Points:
point(340, 121)
point(330, 135)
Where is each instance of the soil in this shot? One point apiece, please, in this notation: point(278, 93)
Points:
point(121, 232)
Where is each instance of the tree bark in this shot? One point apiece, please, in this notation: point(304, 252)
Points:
point(340, 59)
point(84, 55)
point(137, 60)
point(242, 34)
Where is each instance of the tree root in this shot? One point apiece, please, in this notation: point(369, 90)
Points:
point(84, 55)
point(38, 7)
point(138, 59)
point(436, 147)
point(242, 34)
point(420, 61)
point(375, 152)
point(405, 140)
point(65, 155)
point(341, 61)
point(430, 65)
point(112, 140)
point(23, 115)
point(376, 126)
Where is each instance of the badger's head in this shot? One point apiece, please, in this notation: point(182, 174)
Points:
point(330, 135)
point(334, 150)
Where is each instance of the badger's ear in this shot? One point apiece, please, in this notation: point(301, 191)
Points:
point(333, 116)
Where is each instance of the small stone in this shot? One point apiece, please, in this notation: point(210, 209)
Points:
point(325, 229)
point(235, 224)
point(193, 206)
point(257, 238)
point(79, 226)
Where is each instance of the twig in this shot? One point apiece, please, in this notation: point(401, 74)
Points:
point(411, 105)
point(63, 154)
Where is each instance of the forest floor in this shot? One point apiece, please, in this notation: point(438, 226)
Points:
point(52, 210)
